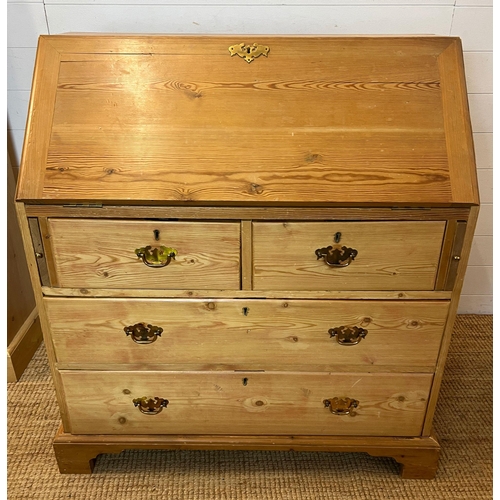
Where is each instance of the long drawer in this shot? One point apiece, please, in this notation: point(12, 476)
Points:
point(145, 254)
point(320, 335)
point(346, 255)
point(238, 403)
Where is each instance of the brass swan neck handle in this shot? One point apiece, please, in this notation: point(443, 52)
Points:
point(336, 257)
point(156, 257)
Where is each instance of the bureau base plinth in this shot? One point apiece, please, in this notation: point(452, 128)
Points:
point(418, 457)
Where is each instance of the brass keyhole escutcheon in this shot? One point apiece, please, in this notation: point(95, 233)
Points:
point(249, 52)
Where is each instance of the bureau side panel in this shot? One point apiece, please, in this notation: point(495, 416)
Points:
point(462, 267)
point(44, 321)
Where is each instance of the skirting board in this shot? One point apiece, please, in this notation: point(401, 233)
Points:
point(23, 347)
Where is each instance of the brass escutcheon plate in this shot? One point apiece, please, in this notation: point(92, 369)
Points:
point(249, 52)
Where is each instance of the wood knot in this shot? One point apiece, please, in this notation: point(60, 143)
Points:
point(256, 188)
point(211, 306)
point(186, 196)
point(193, 94)
point(122, 420)
point(312, 157)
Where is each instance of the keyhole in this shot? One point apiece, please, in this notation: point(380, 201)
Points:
point(245, 381)
point(157, 234)
point(246, 311)
point(337, 237)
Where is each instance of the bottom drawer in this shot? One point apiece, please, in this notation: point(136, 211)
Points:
point(246, 403)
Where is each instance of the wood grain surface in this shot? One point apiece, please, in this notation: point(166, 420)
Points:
point(457, 288)
point(37, 289)
point(462, 163)
point(397, 295)
point(221, 403)
point(101, 253)
point(391, 255)
point(183, 211)
point(39, 122)
point(246, 170)
point(76, 453)
point(247, 334)
point(322, 119)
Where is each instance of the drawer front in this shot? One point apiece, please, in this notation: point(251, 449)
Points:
point(102, 254)
point(321, 335)
point(254, 403)
point(377, 255)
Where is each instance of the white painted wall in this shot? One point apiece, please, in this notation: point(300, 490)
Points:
point(472, 20)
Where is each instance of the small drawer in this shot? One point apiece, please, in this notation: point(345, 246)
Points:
point(271, 335)
point(89, 253)
point(346, 255)
point(245, 403)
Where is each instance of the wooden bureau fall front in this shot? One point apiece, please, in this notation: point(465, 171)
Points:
point(248, 242)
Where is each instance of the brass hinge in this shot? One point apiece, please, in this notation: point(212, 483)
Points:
point(84, 205)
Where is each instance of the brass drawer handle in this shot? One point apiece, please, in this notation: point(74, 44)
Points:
point(141, 333)
point(156, 257)
point(337, 257)
point(341, 406)
point(347, 335)
point(150, 406)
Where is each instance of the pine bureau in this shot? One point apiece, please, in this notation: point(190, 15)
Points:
point(248, 242)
